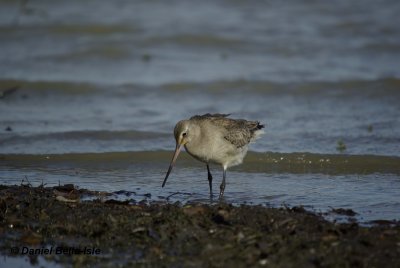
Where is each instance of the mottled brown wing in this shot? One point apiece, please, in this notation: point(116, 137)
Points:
point(209, 116)
point(240, 132)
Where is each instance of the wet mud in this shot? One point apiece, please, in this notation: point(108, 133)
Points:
point(55, 223)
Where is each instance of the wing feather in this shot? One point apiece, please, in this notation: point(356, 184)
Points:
point(238, 132)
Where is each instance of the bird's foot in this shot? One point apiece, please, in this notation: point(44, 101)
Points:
point(222, 189)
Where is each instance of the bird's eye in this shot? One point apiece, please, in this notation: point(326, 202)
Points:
point(184, 134)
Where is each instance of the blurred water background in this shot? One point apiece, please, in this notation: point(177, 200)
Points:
point(90, 92)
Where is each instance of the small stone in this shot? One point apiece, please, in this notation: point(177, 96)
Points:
point(240, 237)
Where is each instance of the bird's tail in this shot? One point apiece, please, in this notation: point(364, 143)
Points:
point(258, 131)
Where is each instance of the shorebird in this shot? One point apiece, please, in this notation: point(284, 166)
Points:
point(214, 138)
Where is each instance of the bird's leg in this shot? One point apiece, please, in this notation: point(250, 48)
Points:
point(209, 180)
point(222, 186)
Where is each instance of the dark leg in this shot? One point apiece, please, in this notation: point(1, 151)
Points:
point(222, 187)
point(209, 179)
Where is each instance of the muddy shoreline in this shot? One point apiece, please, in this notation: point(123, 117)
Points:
point(52, 223)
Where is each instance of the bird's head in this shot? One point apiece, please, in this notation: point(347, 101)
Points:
point(182, 135)
point(182, 132)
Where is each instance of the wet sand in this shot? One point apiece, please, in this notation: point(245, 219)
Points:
point(65, 230)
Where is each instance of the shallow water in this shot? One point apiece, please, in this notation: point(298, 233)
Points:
point(367, 184)
point(183, 41)
point(99, 93)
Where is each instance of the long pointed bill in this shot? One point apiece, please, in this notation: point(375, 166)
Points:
point(176, 153)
